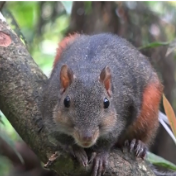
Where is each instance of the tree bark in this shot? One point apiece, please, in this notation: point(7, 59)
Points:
point(21, 82)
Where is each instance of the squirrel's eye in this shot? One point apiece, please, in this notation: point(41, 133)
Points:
point(67, 101)
point(106, 103)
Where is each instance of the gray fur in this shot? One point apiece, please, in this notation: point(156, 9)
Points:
point(86, 57)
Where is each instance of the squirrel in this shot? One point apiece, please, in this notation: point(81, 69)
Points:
point(102, 93)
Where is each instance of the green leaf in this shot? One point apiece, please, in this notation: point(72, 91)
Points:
point(1, 121)
point(68, 6)
point(170, 114)
point(159, 161)
point(172, 47)
point(154, 45)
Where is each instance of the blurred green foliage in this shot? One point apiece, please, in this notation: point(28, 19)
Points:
point(40, 27)
point(5, 166)
point(7, 133)
point(159, 161)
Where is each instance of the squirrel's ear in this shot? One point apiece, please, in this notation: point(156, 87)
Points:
point(105, 79)
point(66, 77)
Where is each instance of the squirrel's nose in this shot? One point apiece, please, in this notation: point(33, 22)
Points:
point(87, 137)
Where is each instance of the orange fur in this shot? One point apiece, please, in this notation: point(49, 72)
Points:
point(62, 45)
point(146, 124)
point(144, 128)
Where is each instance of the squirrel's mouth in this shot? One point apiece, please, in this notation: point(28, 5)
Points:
point(85, 144)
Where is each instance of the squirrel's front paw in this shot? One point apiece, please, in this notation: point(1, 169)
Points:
point(78, 152)
point(100, 163)
point(136, 146)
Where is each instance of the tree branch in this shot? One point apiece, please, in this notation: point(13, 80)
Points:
point(21, 83)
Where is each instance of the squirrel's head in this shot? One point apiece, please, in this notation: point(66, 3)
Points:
point(85, 108)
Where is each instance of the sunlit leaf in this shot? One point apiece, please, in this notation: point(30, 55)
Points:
point(159, 161)
point(1, 121)
point(154, 44)
point(171, 48)
point(170, 114)
point(67, 5)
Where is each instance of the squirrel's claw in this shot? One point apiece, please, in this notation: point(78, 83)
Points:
point(80, 155)
point(136, 146)
point(100, 163)
point(77, 152)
